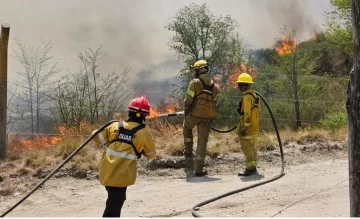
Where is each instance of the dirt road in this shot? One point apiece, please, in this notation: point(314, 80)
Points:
point(173, 196)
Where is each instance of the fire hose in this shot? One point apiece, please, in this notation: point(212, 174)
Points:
point(281, 174)
point(73, 154)
point(197, 206)
point(61, 165)
point(165, 115)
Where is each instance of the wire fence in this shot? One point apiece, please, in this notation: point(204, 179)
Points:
point(227, 110)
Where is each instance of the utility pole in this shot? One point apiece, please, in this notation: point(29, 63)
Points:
point(353, 112)
point(4, 39)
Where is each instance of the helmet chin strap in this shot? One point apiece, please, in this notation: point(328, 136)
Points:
point(197, 74)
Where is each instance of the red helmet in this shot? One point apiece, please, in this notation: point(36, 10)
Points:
point(141, 105)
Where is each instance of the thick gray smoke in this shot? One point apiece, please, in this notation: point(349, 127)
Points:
point(261, 20)
point(133, 34)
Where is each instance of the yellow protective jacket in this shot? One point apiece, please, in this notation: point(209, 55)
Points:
point(249, 120)
point(197, 102)
point(118, 164)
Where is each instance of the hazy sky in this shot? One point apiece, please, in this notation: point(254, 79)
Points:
point(132, 31)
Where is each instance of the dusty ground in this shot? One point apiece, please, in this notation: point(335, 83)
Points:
point(168, 193)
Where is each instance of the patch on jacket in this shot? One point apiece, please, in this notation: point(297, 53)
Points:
point(125, 137)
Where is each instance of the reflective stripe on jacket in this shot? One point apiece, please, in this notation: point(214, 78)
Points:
point(194, 89)
point(251, 116)
point(118, 164)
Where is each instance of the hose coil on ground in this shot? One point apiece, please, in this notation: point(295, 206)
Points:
point(196, 207)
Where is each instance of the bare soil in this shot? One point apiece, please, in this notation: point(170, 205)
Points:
point(167, 192)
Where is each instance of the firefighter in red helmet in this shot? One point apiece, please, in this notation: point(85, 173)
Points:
point(125, 142)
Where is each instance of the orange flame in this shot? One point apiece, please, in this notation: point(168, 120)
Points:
point(288, 46)
point(37, 143)
point(62, 129)
point(55, 140)
point(170, 108)
point(236, 71)
point(153, 113)
point(243, 68)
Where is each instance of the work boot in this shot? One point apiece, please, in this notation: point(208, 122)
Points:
point(189, 163)
point(248, 172)
point(200, 174)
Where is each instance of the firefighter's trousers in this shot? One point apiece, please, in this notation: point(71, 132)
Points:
point(115, 201)
point(248, 146)
point(203, 126)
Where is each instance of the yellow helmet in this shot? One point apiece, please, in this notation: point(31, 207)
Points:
point(244, 78)
point(200, 64)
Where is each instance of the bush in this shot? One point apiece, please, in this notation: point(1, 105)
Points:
point(334, 121)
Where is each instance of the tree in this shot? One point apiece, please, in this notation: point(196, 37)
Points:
point(14, 111)
point(37, 75)
point(353, 112)
point(4, 40)
point(339, 30)
point(198, 34)
point(90, 94)
point(287, 73)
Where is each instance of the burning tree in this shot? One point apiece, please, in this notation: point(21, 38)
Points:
point(288, 75)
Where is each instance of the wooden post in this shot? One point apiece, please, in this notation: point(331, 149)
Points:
point(353, 112)
point(4, 39)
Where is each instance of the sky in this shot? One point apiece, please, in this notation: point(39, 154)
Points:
point(132, 31)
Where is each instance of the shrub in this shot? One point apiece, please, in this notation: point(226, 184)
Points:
point(334, 121)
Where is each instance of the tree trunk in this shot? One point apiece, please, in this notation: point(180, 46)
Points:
point(296, 92)
point(353, 112)
point(4, 39)
point(31, 108)
point(37, 111)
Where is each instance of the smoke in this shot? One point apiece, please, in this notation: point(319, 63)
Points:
point(260, 21)
point(133, 33)
point(157, 82)
point(293, 14)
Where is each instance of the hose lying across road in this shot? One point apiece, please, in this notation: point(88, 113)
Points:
point(197, 206)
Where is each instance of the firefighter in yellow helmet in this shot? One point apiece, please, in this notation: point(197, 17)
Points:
point(248, 127)
point(125, 142)
point(200, 111)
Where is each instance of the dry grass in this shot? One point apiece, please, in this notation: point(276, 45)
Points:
point(306, 136)
point(167, 138)
point(168, 141)
point(267, 141)
point(38, 158)
point(214, 150)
